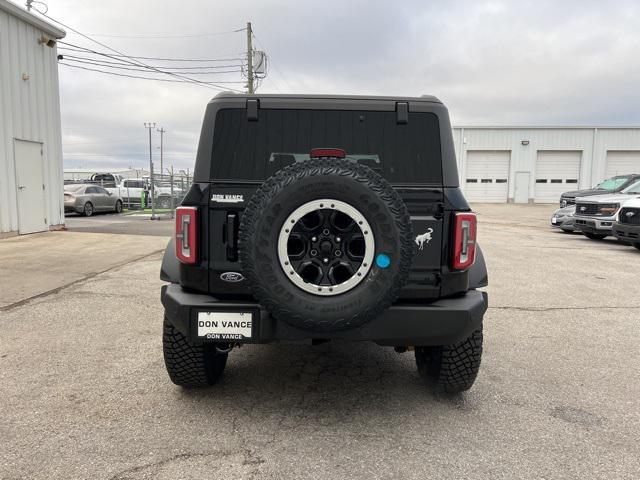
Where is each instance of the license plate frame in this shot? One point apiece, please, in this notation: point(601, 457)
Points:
point(228, 325)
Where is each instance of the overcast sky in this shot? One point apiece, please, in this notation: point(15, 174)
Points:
point(491, 62)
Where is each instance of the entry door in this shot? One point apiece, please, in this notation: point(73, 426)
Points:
point(521, 194)
point(487, 178)
point(30, 186)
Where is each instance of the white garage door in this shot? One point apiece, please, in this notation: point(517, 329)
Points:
point(556, 172)
point(621, 163)
point(487, 177)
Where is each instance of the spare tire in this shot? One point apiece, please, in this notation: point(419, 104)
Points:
point(326, 244)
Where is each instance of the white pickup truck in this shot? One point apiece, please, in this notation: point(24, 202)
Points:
point(132, 190)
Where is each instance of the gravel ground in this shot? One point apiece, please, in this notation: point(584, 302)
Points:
point(84, 394)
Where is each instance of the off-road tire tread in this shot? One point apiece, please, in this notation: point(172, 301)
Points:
point(451, 368)
point(190, 365)
point(357, 172)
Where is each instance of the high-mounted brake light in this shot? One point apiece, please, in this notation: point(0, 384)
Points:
point(187, 234)
point(464, 240)
point(327, 152)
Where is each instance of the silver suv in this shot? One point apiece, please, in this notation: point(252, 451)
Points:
point(595, 215)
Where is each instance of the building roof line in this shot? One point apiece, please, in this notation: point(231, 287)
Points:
point(28, 17)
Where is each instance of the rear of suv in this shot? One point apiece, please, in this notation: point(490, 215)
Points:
point(313, 218)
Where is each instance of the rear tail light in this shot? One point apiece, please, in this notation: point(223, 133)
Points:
point(464, 241)
point(187, 234)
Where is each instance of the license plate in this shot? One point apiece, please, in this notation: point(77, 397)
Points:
point(225, 325)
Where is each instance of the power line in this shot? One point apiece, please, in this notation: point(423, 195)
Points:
point(120, 62)
point(154, 36)
point(78, 48)
point(150, 78)
point(188, 79)
point(100, 64)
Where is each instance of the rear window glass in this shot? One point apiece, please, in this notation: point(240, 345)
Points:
point(254, 150)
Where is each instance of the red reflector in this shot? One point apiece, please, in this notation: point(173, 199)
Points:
point(327, 152)
point(464, 240)
point(187, 234)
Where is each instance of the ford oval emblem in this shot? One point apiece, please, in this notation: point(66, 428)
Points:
point(233, 277)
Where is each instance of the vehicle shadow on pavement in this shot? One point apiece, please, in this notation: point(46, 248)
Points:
point(328, 384)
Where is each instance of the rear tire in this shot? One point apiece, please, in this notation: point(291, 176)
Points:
point(451, 368)
point(118, 206)
point(189, 365)
point(88, 209)
point(594, 236)
point(637, 245)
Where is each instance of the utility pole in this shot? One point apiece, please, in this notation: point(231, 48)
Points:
point(173, 205)
point(249, 59)
point(162, 132)
point(150, 126)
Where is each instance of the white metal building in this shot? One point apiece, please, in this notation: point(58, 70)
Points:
point(537, 164)
point(31, 182)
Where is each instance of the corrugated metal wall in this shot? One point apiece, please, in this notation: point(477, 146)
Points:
point(29, 110)
point(593, 143)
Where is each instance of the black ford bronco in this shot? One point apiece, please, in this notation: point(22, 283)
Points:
point(314, 218)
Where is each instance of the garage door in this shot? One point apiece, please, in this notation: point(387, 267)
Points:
point(556, 172)
point(487, 177)
point(621, 163)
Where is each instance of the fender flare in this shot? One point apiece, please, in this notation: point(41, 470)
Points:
point(478, 276)
point(170, 269)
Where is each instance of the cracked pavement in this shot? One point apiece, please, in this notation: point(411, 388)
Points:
point(84, 394)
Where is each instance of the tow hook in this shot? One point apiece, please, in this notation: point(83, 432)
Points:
point(224, 348)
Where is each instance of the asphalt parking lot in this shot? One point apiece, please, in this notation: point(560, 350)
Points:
point(131, 224)
point(84, 393)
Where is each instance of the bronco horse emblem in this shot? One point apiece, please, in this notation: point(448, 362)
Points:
point(424, 238)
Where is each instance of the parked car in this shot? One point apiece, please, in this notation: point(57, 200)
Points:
point(595, 215)
point(88, 199)
point(627, 227)
point(317, 245)
point(564, 219)
point(608, 186)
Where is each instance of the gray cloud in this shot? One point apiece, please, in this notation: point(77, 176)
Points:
point(492, 62)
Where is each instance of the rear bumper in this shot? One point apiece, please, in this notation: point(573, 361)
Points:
point(73, 208)
point(441, 322)
point(627, 233)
